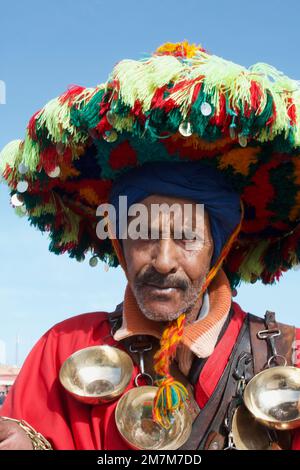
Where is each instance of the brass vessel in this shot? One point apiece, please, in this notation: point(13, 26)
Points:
point(273, 397)
point(134, 420)
point(96, 375)
point(249, 434)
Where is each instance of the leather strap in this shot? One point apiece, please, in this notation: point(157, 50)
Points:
point(115, 317)
point(260, 348)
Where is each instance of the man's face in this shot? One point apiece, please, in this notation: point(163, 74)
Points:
point(166, 273)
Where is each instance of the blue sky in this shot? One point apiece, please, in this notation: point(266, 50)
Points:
point(46, 46)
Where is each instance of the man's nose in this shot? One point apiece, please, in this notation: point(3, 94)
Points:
point(164, 258)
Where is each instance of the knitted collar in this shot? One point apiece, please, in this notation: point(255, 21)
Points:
point(200, 337)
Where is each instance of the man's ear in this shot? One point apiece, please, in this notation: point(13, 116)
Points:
point(119, 251)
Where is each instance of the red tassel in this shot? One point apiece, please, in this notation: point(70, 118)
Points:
point(158, 98)
point(70, 94)
point(31, 126)
point(196, 90)
point(49, 159)
point(256, 95)
point(103, 126)
point(221, 119)
point(137, 111)
point(292, 112)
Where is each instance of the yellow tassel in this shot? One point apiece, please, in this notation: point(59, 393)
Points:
point(171, 397)
point(190, 50)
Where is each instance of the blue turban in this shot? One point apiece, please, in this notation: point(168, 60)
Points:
point(189, 180)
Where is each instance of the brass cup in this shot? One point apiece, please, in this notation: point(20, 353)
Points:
point(134, 421)
point(249, 434)
point(273, 397)
point(96, 375)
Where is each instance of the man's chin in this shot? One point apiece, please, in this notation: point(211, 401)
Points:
point(159, 313)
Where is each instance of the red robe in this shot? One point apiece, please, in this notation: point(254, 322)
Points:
point(38, 397)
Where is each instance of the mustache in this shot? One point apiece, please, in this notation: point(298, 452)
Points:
point(151, 276)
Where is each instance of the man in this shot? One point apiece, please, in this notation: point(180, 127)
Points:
point(135, 137)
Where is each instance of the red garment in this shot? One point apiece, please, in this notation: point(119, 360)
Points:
point(38, 398)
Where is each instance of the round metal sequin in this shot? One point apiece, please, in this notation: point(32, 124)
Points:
point(185, 129)
point(54, 173)
point(232, 132)
point(111, 117)
point(16, 200)
point(93, 261)
point(110, 136)
point(22, 168)
point(243, 140)
point(22, 186)
point(206, 109)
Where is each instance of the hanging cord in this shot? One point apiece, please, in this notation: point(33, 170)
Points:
point(171, 394)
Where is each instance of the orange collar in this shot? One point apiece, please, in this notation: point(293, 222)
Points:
point(200, 336)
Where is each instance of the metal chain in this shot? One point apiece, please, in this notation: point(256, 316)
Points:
point(39, 442)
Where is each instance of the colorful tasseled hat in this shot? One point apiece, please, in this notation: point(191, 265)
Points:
point(179, 104)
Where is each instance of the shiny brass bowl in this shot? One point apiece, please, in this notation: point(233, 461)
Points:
point(273, 397)
point(98, 374)
point(249, 434)
point(134, 421)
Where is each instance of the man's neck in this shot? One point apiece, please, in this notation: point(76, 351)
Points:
point(193, 314)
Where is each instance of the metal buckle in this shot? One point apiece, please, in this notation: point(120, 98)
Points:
point(266, 334)
point(270, 336)
point(134, 348)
